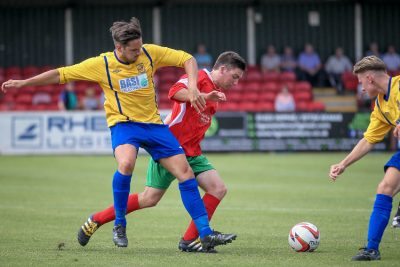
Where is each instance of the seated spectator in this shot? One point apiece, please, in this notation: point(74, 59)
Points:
point(68, 99)
point(373, 50)
point(203, 58)
point(89, 101)
point(392, 61)
point(310, 66)
point(336, 65)
point(41, 98)
point(284, 101)
point(288, 60)
point(270, 61)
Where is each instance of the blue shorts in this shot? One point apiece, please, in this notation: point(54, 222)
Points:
point(156, 139)
point(393, 162)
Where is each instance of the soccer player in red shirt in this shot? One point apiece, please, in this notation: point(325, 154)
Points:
point(189, 127)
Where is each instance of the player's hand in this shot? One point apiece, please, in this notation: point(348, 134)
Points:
point(12, 84)
point(197, 100)
point(396, 131)
point(335, 171)
point(215, 96)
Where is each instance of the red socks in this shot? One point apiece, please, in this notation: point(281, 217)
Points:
point(211, 203)
point(108, 214)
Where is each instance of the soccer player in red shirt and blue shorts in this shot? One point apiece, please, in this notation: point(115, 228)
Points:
point(189, 127)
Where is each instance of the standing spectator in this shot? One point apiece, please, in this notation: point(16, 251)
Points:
point(288, 60)
point(89, 101)
point(392, 60)
point(270, 61)
point(335, 66)
point(68, 99)
point(310, 66)
point(284, 101)
point(203, 58)
point(373, 50)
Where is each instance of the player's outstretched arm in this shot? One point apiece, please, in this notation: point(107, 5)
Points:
point(48, 77)
point(360, 150)
point(196, 99)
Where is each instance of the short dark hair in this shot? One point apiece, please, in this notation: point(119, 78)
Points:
point(373, 63)
point(231, 60)
point(123, 32)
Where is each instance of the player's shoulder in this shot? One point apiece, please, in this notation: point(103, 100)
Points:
point(204, 78)
point(151, 48)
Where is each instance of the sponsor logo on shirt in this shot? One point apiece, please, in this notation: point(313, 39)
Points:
point(134, 83)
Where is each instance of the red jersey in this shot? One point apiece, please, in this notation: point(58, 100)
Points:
point(188, 126)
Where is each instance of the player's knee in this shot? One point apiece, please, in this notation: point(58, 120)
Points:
point(385, 188)
point(219, 191)
point(151, 201)
point(126, 166)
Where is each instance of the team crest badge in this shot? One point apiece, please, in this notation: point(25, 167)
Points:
point(140, 68)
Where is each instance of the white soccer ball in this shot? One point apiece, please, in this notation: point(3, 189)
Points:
point(304, 237)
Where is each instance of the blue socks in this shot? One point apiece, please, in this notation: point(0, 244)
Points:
point(379, 219)
point(121, 185)
point(194, 205)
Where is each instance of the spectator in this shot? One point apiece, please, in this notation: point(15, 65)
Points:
point(373, 50)
point(335, 66)
point(89, 101)
point(310, 66)
point(284, 101)
point(68, 99)
point(41, 98)
point(204, 59)
point(288, 60)
point(270, 61)
point(392, 61)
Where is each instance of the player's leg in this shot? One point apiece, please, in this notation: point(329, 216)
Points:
point(380, 215)
point(157, 182)
point(190, 195)
point(215, 190)
point(125, 156)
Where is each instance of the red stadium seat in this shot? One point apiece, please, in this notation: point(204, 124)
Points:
point(250, 96)
point(23, 98)
point(266, 106)
point(287, 77)
point(233, 96)
point(302, 86)
point(350, 82)
point(317, 107)
point(302, 106)
point(271, 76)
point(228, 106)
point(168, 77)
point(253, 76)
point(270, 87)
point(30, 71)
point(252, 86)
point(303, 96)
point(267, 96)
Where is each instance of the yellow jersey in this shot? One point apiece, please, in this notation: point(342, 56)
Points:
point(385, 114)
point(128, 88)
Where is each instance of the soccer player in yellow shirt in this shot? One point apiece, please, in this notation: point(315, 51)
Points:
point(126, 77)
point(372, 74)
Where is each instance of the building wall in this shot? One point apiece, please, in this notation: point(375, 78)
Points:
point(36, 36)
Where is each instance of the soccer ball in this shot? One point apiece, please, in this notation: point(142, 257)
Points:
point(304, 237)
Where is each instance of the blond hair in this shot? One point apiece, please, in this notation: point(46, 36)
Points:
point(373, 63)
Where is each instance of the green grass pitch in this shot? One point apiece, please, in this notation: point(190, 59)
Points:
point(45, 199)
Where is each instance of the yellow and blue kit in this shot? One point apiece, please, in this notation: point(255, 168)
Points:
point(128, 88)
point(384, 117)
